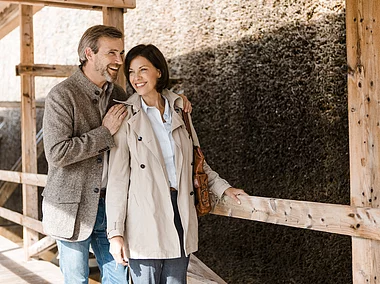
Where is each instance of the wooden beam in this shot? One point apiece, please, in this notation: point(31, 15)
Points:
point(332, 218)
point(28, 124)
point(12, 104)
point(114, 17)
point(9, 19)
point(8, 16)
point(22, 220)
point(24, 178)
point(45, 70)
point(81, 4)
point(42, 245)
point(363, 41)
point(198, 272)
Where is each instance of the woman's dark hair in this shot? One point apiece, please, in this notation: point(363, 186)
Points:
point(155, 56)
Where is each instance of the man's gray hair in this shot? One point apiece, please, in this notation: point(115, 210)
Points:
point(91, 37)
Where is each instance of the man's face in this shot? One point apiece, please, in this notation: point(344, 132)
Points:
point(109, 58)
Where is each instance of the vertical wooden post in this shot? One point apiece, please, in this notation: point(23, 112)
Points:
point(28, 124)
point(363, 51)
point(115, 17)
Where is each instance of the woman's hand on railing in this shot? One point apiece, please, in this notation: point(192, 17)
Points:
point(234, 193)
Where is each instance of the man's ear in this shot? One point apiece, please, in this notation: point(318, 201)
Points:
point(89, 53)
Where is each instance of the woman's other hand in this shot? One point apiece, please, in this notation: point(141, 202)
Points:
point(234, 193)
point(117, 250)
point(186, 104)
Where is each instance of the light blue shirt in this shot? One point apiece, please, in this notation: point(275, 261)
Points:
point(163, 131)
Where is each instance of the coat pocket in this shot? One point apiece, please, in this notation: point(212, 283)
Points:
point(58, 219)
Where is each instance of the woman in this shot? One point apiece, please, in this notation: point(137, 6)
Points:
point(152, 221)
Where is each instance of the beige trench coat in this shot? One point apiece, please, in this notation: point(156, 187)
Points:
point(138, 196)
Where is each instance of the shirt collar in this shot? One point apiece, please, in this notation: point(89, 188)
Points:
point(145, 107)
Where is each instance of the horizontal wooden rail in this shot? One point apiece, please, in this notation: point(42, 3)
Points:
point(25, 178)
point(45, 70)
point(13, 104)
point(331, 218)
point(22, 220)
point(347, 220)
point(81, 4)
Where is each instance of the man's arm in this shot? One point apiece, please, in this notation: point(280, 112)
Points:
point(61, 147)
point(187, 107)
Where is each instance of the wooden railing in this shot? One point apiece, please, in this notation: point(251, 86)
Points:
point(332, 218)
point(198, 272)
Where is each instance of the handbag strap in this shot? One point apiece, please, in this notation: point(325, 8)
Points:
point(185, 116)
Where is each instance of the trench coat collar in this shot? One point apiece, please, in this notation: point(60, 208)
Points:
point(175, 103)
point(140, 123)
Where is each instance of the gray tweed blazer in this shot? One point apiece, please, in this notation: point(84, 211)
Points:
point(74, 142)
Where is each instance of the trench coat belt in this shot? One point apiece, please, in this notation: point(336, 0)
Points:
point(102, 192)
point(172, 189)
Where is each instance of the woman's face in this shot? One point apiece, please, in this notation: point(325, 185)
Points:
point(143, 76)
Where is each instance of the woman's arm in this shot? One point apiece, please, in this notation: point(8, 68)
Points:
point(118, 183)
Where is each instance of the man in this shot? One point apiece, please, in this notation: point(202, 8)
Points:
point(78, 133)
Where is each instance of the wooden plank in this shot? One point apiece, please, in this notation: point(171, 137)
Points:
point(11, 104)
point(332, 218)
point(41, 4)
point(7, 16)
point(87, 4)
point(28, 124)
point(45, 70)
point(22, 220)
point(114, 17)
point(9, 19)
point(347, 220)
point(198, 272)
point(363, 39)
point(25, 178)
point(42, 245)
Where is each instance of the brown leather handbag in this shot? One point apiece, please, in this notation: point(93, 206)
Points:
point(200, 179)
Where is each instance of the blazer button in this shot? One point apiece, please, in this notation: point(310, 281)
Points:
point(140, 138)
point(142, 166)
point(97, 93)
point(96, 190)
point(99, 160)
point(192, 193)
point(94, 101)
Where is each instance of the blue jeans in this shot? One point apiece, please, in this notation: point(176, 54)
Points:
point(74, 256)
point(163, 271)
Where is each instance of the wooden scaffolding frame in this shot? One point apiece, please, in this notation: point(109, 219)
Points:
point(360, 220)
